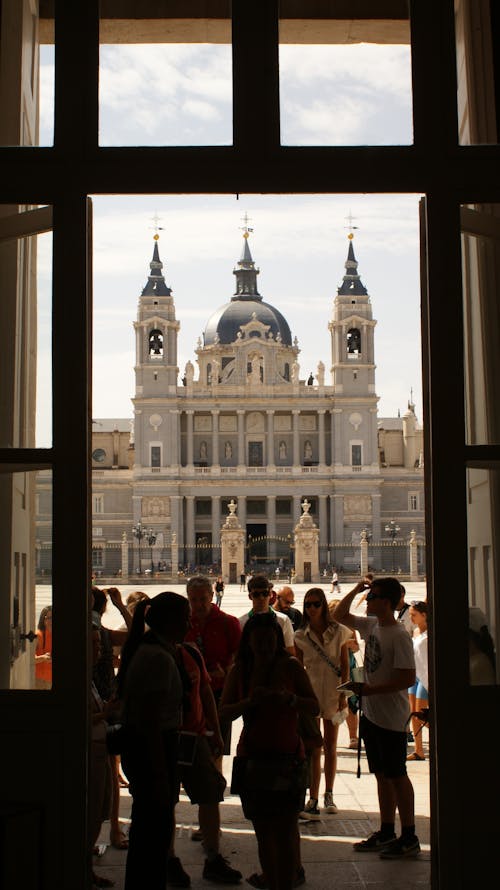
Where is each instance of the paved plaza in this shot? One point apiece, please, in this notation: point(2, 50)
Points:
point(330, 862)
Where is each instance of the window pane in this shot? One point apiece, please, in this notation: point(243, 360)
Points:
point(480, 281)
point(26, 571)
point(161, 83)
point(483, 517)
point(475, 25)
point(26, 323)
point(340, 89)
point(47, 76)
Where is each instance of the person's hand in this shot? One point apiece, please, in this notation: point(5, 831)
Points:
point(115, 596)
point(216, 743)
point(47, 656)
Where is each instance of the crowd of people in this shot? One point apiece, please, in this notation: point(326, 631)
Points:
point(168, 685)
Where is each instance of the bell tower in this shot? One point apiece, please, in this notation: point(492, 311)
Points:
point(156, 331)
point(352, 330)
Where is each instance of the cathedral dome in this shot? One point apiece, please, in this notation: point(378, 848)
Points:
point(223, 326)
point(246, 305)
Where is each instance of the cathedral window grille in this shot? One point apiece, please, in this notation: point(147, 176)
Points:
point(356, 455)
point(156, 456)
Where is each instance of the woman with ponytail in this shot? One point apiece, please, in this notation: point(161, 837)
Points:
point(151, 692)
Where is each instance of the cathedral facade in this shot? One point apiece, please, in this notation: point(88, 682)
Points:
point(242, 425)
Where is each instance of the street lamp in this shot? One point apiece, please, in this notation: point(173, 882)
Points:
point(139, 532)
point(151, 542)
point(392, 530)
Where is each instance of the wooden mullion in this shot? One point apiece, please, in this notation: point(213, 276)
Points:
point(76, 80)
point(255, 37)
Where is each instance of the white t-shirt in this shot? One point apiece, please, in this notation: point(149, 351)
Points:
point(284, 621)
point(387, 648)
point(324, 680)
point(420, 652)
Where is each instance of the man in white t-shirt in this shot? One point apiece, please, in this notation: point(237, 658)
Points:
point(388, 672)
point(259, 591)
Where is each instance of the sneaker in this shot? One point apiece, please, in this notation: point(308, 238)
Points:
point(353, 744)
point(374, 844)
point(401, 847)
point(196, 835)
point(219, 871)
point(329, 805)
point(310, 813)
point(176, 876)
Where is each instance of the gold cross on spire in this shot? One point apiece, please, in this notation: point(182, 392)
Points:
point(245, 228)
point(156, 219)
point(351, 228)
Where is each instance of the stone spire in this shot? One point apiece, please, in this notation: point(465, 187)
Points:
point(156, 282)
point(246, 273)
point(352, 284)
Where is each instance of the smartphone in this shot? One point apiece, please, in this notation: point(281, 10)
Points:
point(187, 748)
point(347, 686)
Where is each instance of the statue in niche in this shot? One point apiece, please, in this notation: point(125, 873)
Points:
point(282, 450)
point(310, 379)
point(189, 373)
point(216, 371)
point(203, 450)
point(295, 372)
point(320, 376)
point(308, 452)
point(228, 450)
point(255, 370)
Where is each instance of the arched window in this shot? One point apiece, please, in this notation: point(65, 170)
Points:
point(353, 341)
point(209, 373)
point(155, 342)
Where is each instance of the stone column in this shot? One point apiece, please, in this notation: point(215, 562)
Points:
point(271, 523)
point(323, 522)
point(322, 443)
point(338, 519)
point(270, 439)
point(215, 439)
point(297, 510)
point(174, 555)
point(363, 560)
point(376, 530)
point(296, 443)
point(124, 556)
point(216, 520)
point(242, 511)
point(306, 536)
point(337, 450)
point(413, 545)
point(190, 536)
point(190, 439)
point(241, 440)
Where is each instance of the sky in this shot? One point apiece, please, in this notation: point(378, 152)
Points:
point(182, 95)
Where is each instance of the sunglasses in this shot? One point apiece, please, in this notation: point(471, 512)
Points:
point(374, 596)
point(316, 603)
point(257, 594)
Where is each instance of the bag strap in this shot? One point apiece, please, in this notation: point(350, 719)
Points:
point(360, 705)
point(323, 655)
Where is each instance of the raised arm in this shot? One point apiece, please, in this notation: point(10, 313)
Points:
point(342, 613)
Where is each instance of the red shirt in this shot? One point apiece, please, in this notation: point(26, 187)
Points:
point(217, 641)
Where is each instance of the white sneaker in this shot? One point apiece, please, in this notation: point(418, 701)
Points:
point(329, 805)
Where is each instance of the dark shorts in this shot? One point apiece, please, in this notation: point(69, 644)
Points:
point(385, 749)
point(203, 783)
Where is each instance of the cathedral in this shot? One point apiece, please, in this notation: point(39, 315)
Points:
point(238, 423)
